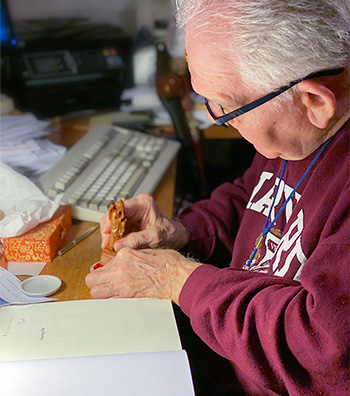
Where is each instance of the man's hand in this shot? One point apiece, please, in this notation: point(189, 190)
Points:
point(159, 273)
point(147, 227)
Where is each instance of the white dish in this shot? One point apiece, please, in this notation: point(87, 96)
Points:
point(41, 285)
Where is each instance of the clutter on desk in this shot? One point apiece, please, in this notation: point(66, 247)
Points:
point(11, 291)
point(22, 203)
point(42, 242)
point(145, 98)
point(23, 147)
point(141, 98)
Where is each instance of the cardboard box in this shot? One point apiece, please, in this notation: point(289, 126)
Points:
point(42, 242)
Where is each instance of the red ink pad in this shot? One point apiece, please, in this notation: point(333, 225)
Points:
point(95, 266)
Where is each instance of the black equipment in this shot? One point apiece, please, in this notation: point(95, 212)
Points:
point(62, 66)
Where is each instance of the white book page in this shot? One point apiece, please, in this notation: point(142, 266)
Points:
point(145, 374)
point(87, 327)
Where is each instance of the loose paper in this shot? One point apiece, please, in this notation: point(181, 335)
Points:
point(11, 292)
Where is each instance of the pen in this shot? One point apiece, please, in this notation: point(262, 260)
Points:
point(77, 240)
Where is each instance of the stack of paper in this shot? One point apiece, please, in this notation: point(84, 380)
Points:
point(22, 146)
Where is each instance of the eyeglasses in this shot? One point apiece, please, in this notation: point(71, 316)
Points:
point(224, 118)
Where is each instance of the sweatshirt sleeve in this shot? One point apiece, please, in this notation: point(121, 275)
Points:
point(279, 331)
point(213, 223)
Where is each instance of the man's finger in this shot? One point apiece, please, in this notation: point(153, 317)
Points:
point(97, 278)
point(105, 241)
point(132, 209)
point(104, 290)
point(135, 240)
point(105, 224)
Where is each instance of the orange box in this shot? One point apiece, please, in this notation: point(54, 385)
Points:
point(42, 242)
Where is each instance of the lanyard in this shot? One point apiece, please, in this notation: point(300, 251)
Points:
point(267, 227)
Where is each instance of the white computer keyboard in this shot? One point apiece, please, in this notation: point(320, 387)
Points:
point(107, 164)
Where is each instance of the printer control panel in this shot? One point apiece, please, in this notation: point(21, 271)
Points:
point(60, 63)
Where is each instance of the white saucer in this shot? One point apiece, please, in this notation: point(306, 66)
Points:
point(41, 285)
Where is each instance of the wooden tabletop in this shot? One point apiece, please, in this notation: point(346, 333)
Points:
point(220, 132)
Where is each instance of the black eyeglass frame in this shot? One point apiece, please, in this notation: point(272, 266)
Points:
point(222, 120)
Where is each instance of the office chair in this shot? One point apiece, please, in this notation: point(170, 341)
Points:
point(191, 180)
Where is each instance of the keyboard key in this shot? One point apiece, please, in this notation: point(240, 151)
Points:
point(52, 193)
point(94, 204)
point(133, 182)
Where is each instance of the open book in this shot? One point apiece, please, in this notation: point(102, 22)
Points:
point(108, 347)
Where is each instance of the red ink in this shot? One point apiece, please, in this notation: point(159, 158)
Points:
point(97, 265)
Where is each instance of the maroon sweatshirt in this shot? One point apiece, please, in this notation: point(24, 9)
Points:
point(284, 321)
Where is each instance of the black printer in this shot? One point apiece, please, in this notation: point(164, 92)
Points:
point(62, 66)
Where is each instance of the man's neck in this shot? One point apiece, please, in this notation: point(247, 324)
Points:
point(339, 121)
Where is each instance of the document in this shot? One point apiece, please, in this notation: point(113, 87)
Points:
point(87, 327)
point(111, 347)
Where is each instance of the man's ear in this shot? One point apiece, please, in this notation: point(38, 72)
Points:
point(320, 102)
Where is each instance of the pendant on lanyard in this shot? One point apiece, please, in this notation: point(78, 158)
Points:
point(267, 227)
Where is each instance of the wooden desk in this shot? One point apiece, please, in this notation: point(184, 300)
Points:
point(73, 266)
point(219, 132)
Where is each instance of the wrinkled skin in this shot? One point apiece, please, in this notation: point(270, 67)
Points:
point(147, 227)
point(145, 265)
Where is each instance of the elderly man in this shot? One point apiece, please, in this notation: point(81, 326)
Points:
point(279, 312)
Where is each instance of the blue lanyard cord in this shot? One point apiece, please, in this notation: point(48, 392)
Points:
point(268, 227)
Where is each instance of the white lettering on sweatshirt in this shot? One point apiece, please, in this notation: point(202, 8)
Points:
point(279, 251)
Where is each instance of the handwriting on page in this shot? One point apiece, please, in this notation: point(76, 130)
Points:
point(64, 329)
point(6, 329)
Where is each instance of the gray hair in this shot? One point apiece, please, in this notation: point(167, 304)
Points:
point(277, 41)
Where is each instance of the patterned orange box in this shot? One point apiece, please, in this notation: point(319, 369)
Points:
point(42, 242)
